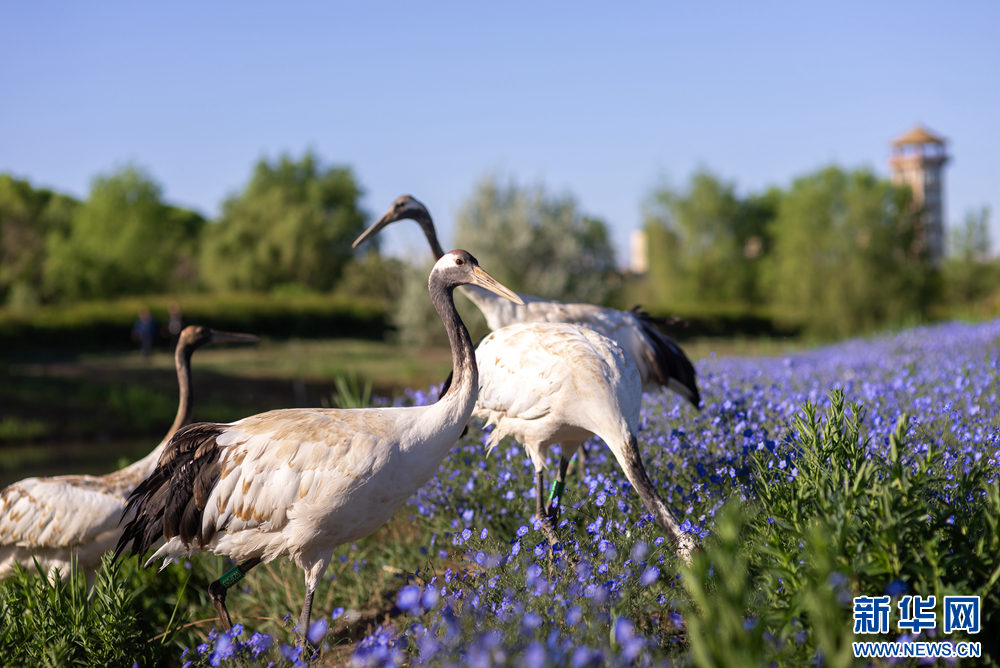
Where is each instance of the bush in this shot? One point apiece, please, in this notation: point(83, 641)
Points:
point(107, 325)
point(840, 521)
point(45, 623)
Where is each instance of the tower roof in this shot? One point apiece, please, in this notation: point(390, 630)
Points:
point(918, 135)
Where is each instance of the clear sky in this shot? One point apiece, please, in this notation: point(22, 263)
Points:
point(603, 100)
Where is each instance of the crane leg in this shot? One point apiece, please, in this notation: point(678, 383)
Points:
point(217, 590)
point(539, 494)
point(554, 505)
point(581, 460)
point(306, 614)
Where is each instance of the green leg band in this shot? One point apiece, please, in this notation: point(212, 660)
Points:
point(231, 577)
point(557, 489)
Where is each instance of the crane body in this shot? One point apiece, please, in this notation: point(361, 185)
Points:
point(298, 483)
point(660, 361)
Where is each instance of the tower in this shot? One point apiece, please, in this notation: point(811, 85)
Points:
point(638, 252)
point(918, 159)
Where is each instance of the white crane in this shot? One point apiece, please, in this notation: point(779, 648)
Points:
point(660, 361)
point(56, 520)
point(298, 483)
point(546, 383)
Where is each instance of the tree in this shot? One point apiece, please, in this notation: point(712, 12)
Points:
point(705, 243)
point(537, 243)
point(123, 240)
point(531, 241)
point(27, 217)
point(846, 256)
point(970, 273)
point(293, 223)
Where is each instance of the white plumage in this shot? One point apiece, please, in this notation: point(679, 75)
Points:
point(56, 520)
point(546, 383)
point(298, 483)
point(658, 358)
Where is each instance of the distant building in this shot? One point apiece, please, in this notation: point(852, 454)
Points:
point(638, 252)
point(918, 160)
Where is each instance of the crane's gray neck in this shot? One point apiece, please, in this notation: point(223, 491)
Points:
point(463, 356)
point(427, 225)
point(185, 406)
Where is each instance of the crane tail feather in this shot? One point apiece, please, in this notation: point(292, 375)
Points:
point(670, 365)
point(171, 501)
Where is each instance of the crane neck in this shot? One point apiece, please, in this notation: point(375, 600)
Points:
point(428, 227)
point(463, 355)
point(185, 406)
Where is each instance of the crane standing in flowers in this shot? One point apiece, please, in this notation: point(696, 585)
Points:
point(56, 520)
point(546, 383)
point(659, 359)
point(298, 483)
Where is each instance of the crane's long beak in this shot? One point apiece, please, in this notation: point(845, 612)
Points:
point(376, 228)
point(232, 337)
point(484, 280)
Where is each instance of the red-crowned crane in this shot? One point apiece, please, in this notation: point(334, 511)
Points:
point(660, 361)
point(546, 383)
point(298, 483)
point(56, 520)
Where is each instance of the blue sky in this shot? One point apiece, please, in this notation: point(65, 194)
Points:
point(603, 100)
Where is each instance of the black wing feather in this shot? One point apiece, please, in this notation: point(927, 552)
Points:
point(668, 359)
point(171, 501)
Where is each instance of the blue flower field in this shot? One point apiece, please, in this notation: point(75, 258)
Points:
point(869, 467)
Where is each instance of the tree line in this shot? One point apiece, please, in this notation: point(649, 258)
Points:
point(837, 252)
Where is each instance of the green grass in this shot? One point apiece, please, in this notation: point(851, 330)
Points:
point(772, 585)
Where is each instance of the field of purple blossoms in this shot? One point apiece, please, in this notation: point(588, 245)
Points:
point(612, 594)
point(780, 565)
point(868, 467)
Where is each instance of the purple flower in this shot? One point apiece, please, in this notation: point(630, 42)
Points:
point(260, 643)
point(408, 598)
point(223, 649)
point(317, 631)
point(534, 656)
point(574, 615)
point(430, 598)
point(649, 576)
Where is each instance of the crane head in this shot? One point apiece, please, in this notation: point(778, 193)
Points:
point(196, 336)
point(459, 267)
point(405, 207)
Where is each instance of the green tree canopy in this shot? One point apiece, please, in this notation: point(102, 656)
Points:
point(970, 272)
point(705, 243)
point(846, 256)
point(538, 243)
point(531, 241)
point(123, 240)
point(27, 216)
point(293, 223)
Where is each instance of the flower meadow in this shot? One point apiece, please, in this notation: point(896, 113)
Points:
point(868, 467)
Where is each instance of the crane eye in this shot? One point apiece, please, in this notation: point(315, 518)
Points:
point(459, 261)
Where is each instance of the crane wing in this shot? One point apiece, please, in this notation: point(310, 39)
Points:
point(56, 512)
point(518, 375)
point(253, 473)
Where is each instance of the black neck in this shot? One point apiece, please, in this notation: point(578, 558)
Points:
point(463, 356)
point(427, 225)
point(185, 406)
